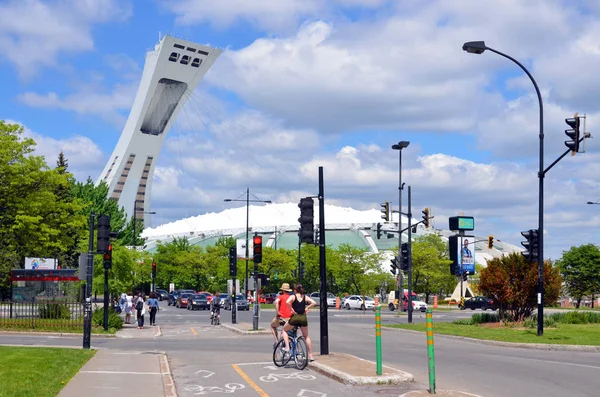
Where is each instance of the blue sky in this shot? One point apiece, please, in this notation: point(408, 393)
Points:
point(303, 83)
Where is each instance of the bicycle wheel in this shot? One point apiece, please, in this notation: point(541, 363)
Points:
point(280, 359)
point(301, 353)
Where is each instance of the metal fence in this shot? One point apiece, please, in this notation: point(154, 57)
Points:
point(41, 313)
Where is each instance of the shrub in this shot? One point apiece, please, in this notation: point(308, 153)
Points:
point(531, 322)
point(575, 317)
point(464, 321)
point(481, 318)
point(54, 311)
point(114, 320)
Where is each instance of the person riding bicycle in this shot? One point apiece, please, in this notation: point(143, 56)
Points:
point(282, 311)
point(299, 304)
point(215, 307)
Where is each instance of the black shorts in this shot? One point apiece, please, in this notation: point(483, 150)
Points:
point(298, 320)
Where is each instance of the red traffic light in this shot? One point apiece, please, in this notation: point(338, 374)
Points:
point(153, 265)
point(257, 240)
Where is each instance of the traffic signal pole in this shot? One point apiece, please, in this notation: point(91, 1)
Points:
point(409, 215)
point(323, 269)
point(87, 319)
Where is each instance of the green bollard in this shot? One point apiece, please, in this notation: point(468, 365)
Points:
point(378, 337)
point(430, 351)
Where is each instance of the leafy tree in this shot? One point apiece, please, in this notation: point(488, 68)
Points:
point(513, 282)
point(35, 219)
point(580, 269)
point(431, 265)
point(360, 269)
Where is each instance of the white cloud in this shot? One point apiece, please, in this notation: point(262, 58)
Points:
point(34, 34)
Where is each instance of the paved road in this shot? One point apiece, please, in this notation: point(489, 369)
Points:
point(196, 350)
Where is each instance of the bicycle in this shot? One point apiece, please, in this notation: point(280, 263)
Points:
point(215, 317)
point(298, 350)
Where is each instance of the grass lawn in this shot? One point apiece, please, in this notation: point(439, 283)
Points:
point(40, 372)
point(58, 329)
point(564, 334)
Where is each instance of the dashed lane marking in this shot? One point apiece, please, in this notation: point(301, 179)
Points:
point(194, 331)
point(252, 384)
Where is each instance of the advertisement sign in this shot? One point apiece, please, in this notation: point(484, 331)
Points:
point(466, 255)
point(241, 248)
point(39, 263)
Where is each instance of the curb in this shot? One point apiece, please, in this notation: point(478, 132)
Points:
point(55, 334)
point(441, 393)
point(532, 346)
point(243, 332)
point(343, 377)
point(167, 378)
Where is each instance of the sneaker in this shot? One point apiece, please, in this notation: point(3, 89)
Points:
point(311, 359)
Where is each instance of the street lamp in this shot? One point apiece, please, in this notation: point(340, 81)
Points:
point(248, 201)
point(592, 203)
point(135, 212)
point(478, 47)
point(399, 146)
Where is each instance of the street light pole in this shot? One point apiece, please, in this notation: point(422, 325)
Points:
point(399, 146)
point(248, 201)
point(478, 47)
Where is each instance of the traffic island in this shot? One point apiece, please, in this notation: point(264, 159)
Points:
point(245, 329)
point(352, 370)
point(438, 393)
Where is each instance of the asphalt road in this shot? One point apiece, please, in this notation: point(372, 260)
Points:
point(197, 349)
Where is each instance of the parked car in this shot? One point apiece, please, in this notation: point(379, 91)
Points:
point(241, 303)
point(331, 299)
point(357, 302)
point(417, 305)
point(480, 302)
point(182, 301)
point(162, 294)
point(316, 296)
point(268, 298)
point(172, 298)
point(198, 301)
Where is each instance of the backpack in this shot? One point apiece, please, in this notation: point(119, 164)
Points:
point(139, 305)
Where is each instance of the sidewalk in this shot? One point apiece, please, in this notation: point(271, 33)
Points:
point(123, 374)
point(131, 331)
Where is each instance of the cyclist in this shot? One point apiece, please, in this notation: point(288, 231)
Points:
point(299, 304)
point(215, 309)
point(282, 311)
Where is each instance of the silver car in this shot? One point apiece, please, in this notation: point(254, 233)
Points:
point(240, 302)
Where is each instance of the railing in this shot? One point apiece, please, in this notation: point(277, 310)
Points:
point(47, 314)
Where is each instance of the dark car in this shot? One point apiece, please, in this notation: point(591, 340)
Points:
point(198, 301)
point(480, 302)
point(162, 294)
point(172, 298)
point(240, 302)
point(182, 301)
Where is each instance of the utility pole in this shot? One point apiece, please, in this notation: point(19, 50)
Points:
point(87, 320)
point(409, 215)
point(323, 268)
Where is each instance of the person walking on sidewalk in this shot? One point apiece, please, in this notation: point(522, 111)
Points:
point(153, 305)
point(299, 304)
point(128, 308)
point(140, 310)
point(282, 311)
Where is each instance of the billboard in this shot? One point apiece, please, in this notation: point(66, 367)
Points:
point(466, 256)
point(39, 263)
point(241, 248)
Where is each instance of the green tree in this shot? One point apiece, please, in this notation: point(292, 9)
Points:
point(513, 282)
point(580, 269)
point(431, 265)
point(360, 270)
point(35, 220)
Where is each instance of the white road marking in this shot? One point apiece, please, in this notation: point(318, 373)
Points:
point(208, 373)
point(557, 362)
point(261, 363)
point(312, 393)
point(272, 367)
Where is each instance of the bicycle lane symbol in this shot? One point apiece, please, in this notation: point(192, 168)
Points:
point(292, 375)
point(202, 390)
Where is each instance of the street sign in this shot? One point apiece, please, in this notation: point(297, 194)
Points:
point(240, 244)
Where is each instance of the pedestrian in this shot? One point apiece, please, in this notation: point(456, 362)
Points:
point(299, 304)
point(128, 307)
point(140, 310)
point(282, 311)
point(153, 305)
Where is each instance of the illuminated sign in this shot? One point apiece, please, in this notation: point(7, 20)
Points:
point(461, 223)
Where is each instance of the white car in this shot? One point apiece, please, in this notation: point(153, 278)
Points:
point(356, 302)
point(419, 305)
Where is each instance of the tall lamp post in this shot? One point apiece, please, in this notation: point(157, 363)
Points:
point(594, 203)
point(248, 201)
point(479, 47)
point(135, 212)
point(399, 146)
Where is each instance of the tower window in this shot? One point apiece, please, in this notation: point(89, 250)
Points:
point(185, 59)
point(174, 57)
point(179, 46)
point(196, 62)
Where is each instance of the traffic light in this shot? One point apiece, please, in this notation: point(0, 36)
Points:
point(301, 271)
point(464, 276)
point(153, 269)
point(490, 242)
point(103, 240)
point(394, 266)
point(307, 220)
point(385, 211)
point(573, 133)
point(317, 235)
point(233, 262)
point(404, 252)
point(531, 245)
point(257, 240)
point(108, 257)
point(378, 231)
point(426, 217)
